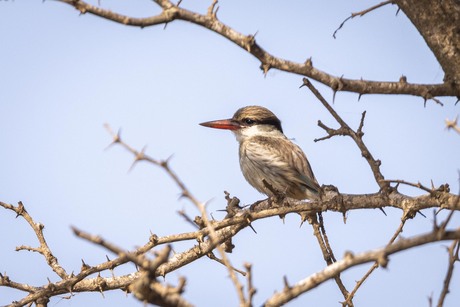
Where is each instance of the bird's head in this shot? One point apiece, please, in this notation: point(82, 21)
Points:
point(249, 121)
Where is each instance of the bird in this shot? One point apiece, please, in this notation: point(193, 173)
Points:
point(269, 161)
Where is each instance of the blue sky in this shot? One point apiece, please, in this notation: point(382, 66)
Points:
point(63, 75)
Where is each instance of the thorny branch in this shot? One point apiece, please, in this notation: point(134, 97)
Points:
point(385, 189)
point(209, 20)
point(224, 230)
point(139, 156)
point(80, 282)
point(211, 234)
point(357, 136)
point(351, 260)
point(43, 249)
point(146, 288)
point(217, 231)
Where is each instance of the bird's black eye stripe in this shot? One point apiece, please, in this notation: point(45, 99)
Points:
point(274, 122)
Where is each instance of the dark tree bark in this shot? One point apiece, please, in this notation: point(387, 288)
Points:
point(439, 24)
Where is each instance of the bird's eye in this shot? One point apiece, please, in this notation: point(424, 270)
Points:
point(248, 121)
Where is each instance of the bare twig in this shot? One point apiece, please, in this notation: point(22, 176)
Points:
point(361, 14)
point(187, 218)
point(213, 257)
point(376, 264)
point(453, 124)
point(43, 249)
point(328, 255)
point(251, 290)
point(453, 252)
point(415, 185)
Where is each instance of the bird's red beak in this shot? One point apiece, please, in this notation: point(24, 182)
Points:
point(226, 124)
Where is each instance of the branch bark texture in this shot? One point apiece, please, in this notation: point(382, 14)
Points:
point(414, 9)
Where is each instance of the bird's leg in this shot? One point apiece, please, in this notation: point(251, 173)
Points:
point(260, 205)
point(276, 196)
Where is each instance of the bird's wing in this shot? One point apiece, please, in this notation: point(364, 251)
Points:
point(281, 155)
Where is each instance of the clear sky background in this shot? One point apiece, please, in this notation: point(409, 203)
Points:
point(63, 75)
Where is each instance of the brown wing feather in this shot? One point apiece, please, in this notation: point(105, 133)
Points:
point(280, 161)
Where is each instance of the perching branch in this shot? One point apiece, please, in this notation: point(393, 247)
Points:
point(214, 233)
point(225, 229)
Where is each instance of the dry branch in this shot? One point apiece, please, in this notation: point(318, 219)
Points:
point(350, 260)
point(361, 14)
point(225, 229)
point(357, 136)
point(212, 234)
point(453, 252)
point(171, 12)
